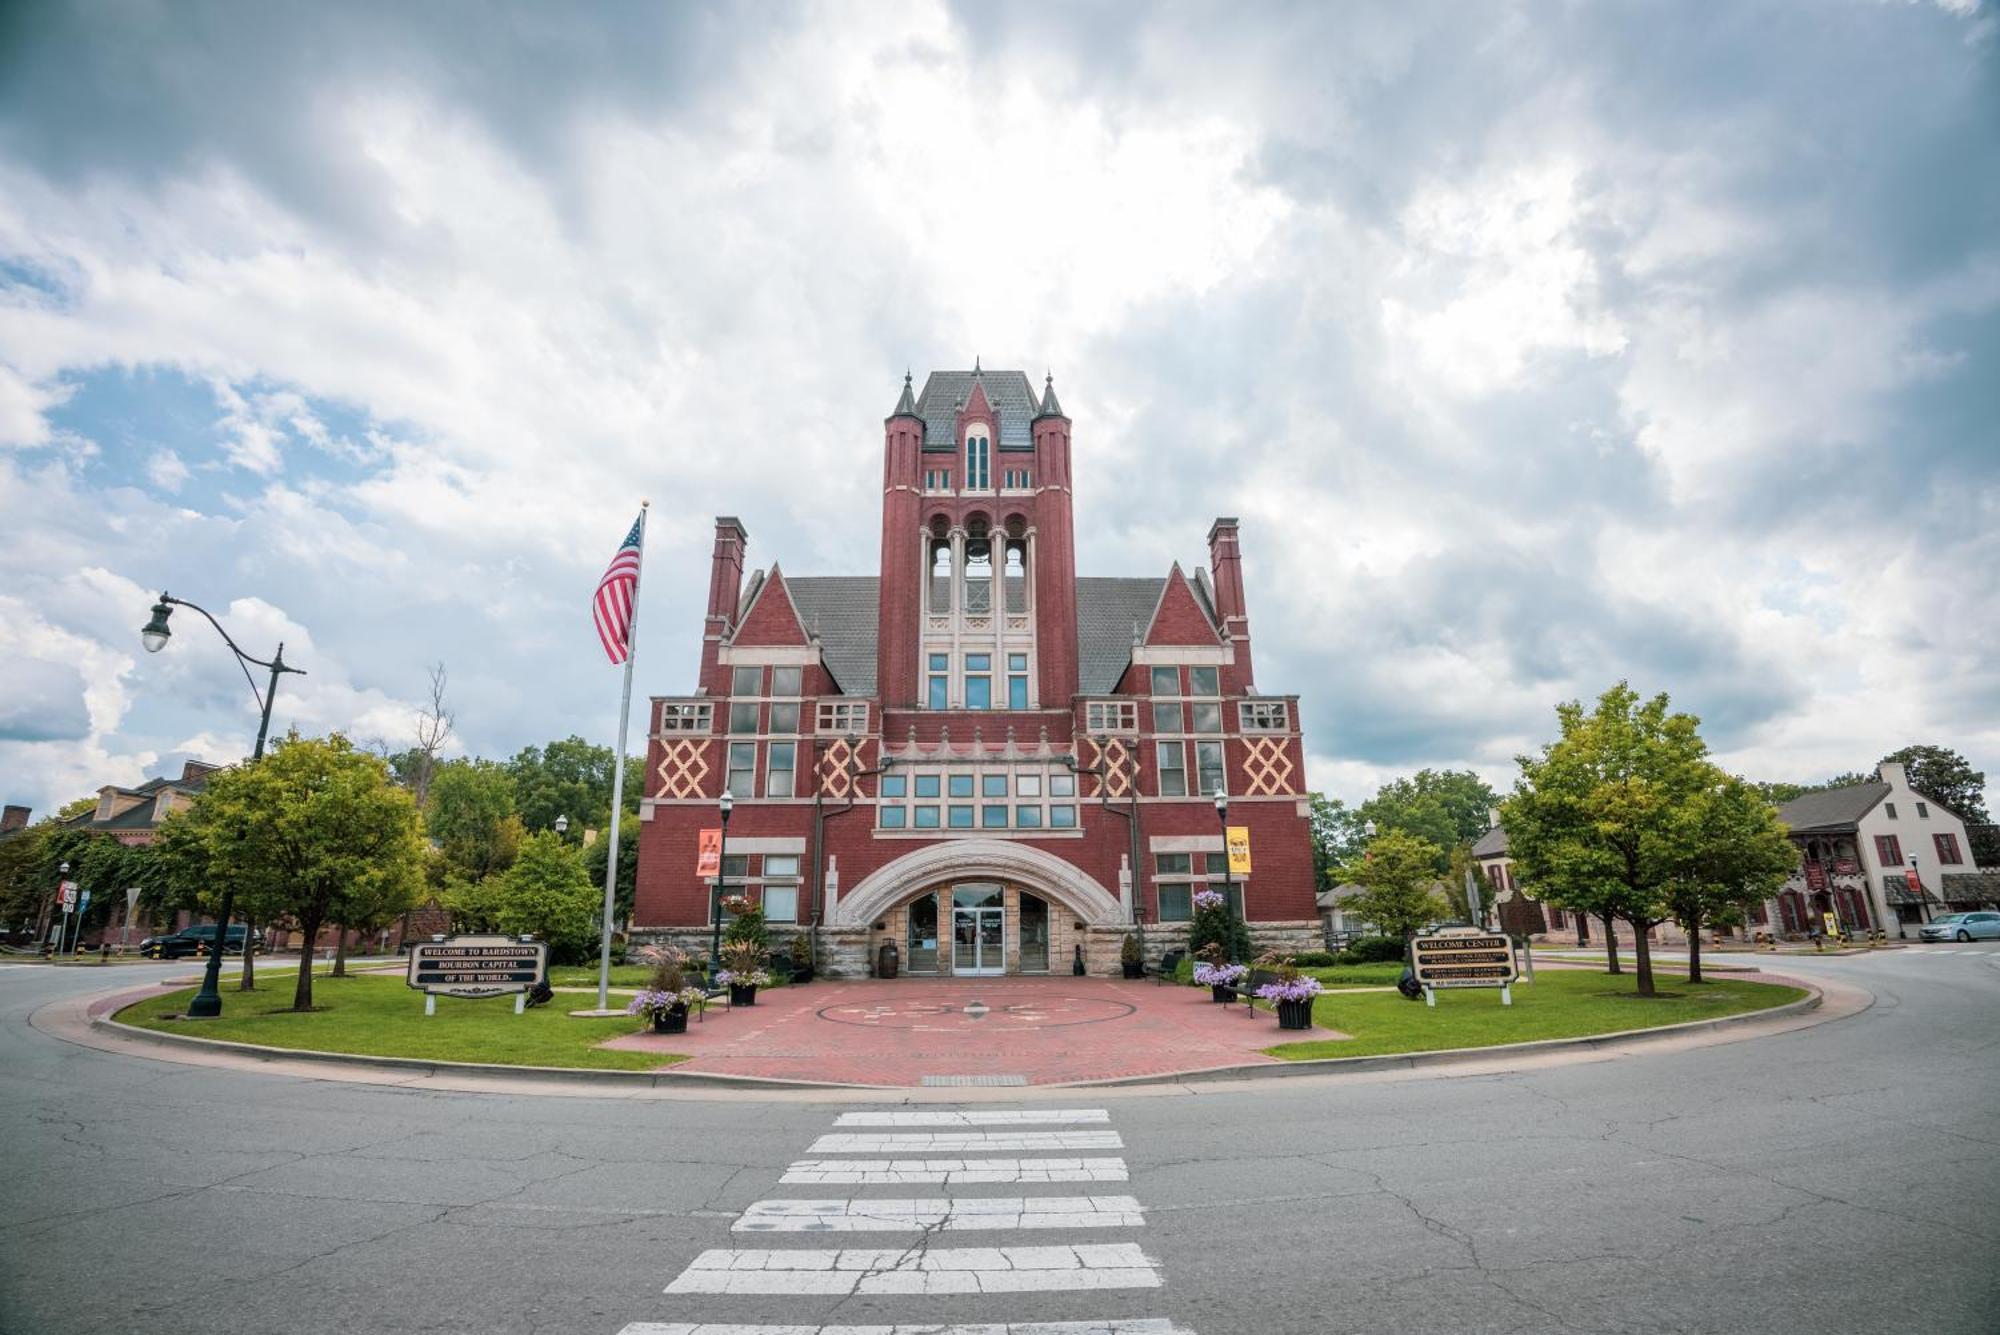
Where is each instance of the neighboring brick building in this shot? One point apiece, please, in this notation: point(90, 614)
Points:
point(968, 752)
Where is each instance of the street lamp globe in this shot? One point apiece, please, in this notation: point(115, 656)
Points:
point(1222, 806)
point(727, 803)
point(1368, 829)
point(155, 634)
point(562, 824)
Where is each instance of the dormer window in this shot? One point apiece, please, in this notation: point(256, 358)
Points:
point(978, 461)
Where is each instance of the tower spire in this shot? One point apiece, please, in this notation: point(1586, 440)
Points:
point(1050, 408)
point(907, 405)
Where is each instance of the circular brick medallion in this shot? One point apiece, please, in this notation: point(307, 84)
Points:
point(974, 1012)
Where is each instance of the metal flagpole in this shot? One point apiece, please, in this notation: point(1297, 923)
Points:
point(618, 776)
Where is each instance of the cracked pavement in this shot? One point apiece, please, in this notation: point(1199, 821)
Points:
point(1842, 1177)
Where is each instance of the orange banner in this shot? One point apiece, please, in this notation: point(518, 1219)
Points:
point(708, 856)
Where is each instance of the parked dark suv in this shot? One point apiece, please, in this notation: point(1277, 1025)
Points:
point(190, 940)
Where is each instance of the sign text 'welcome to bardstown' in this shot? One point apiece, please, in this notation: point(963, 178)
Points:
point(477, 966)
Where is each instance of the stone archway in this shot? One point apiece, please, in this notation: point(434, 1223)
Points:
point(977, 859)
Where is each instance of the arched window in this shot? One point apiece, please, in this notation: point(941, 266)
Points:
point(940, 574)
point(978, 575)
point(978, 462)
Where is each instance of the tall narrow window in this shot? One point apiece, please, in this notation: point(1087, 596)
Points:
point(978, 463)
point(743, 769)
point(1015, 575)
point(1173, 770)
point(940, 681)
point(1208, 767)
point(978, 576)
point(1888, 850)
point(1947, 848)
point(941, 575)
point(979, 681)
point(778, 773)
point(1166, 681)
point(1017, 681)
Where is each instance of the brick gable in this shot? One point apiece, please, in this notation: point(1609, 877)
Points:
point(1179, 620)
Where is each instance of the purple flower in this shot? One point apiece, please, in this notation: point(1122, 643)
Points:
point(1209, 899)
point(1295, 989)
point(1219, 975)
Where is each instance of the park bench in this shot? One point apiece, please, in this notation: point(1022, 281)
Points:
point(1164, 970)
point(1246, 990)
point(709, 992)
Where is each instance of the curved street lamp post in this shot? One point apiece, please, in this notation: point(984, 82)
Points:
point(207, 1003)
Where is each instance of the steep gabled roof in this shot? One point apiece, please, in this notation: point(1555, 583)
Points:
point(1109, 612)
point(1492, 844)
point(843, 611)
point(772, 616)
point(1179, 618)
point(1834, 809)
point(1012, 397)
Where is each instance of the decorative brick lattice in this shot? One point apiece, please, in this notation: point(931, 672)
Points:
point(1115, 759)
point(1266, 766)
point(836, 766)
point(683, 768)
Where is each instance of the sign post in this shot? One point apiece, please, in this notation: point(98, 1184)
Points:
point(1463, 957)
point(477, 966)
point(68, 891)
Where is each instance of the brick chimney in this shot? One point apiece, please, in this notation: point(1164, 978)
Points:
point(1225, 566)
point(14, 818)
point(725, 592)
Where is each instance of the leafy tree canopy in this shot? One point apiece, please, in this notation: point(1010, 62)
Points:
point(547, 892)
point(1336, 837)
point(1946, 778)
point(570, 778)
point(470, 814)
point(1398, 876)
point(1444, 807)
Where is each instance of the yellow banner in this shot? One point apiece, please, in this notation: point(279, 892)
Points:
point(1237, 839)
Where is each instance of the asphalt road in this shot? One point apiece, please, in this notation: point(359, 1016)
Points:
point(1844, 1177)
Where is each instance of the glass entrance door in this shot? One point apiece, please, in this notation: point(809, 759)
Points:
point(978, 930)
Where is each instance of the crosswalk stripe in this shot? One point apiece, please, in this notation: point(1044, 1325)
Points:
point(1138, 1326)
point(951, 1172)
point(949, 1142)
point(998, 1117)
point(938, 1212)
point(920, 1270)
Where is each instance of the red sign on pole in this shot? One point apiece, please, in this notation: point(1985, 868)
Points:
point(1815, 876)
point(708, 854)
point(1911, 879)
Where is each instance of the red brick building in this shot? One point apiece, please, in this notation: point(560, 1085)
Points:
point(973, 753)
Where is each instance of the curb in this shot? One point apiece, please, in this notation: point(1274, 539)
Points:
point(1277, 1069)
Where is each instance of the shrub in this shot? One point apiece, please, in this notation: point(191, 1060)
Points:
point(1315, 959)
point(748, 923)
point(1215, 928)
point(1128, 952)
point(1372, 950)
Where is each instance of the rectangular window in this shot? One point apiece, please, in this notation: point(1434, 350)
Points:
point(959, 817)
point(993, 817)
point(840, 717)
point(743, 769)
point(781, 867)
point(747, 681)
point(1062, 785)
point(895, 785)
point(1947, 848)
point(992, 785)
point(1923, 812)
point(686, 718)
point(960, 785)
point(1025, 785)
point(1204, 681)
point(1173, 770)
point(979, 681)
point(1102, 716)
point(940, 684)
point(1166, 681)
point(743, 717)
point(1176, 903)
point(1216, 865)
point(893, 817)
point(1201, 717)
point(1027, 818)
point(1888, 851)
point(785, 718)
point(1171, 864)
point(781, 903)
point(1062, 818)
point(929, 785)
point(1208, 764)
point(778, 772)
point(1167, 718)
point(785, 681)
point(736, 867)
point(1263, 716)
point(1017, 681)
point(927, 818)
point(1889, 810)
point(937, 479)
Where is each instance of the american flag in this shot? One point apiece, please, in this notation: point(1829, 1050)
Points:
point(611, 609)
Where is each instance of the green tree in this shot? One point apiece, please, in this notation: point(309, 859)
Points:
point(1398, 876)
point(1445, 807)
point(1595, 822)
point(471, 817)
point(547, 892)
point(594, 855)
point(24, 887)
point(1946, 778)
point(1733, 851)
point(571, 778)
point(1463, 865)
point(1217, 924)
point(1336, 837)
point(312, 827)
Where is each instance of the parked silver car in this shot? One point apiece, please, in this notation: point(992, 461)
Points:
point(1963, 927)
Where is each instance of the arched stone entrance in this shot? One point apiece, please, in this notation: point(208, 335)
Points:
point(982, 906)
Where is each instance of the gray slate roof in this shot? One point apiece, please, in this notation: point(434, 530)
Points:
point(844, 610)
point(1834, 809)
point(1012, 397)
point(1492, 844)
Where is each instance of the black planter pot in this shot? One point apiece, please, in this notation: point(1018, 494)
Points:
point(671, 1022)
point(1133, 969)
point(742, 994)
point(1216, 992)
point(803, 975)
point(1295, 1014)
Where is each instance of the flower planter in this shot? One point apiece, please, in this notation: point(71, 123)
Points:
point(1219, 993)
point(1295, 1014)
point(741, 994)
point(1133, 968)
point(671, 1022)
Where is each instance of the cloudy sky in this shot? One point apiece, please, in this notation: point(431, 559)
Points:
point(1536, 345)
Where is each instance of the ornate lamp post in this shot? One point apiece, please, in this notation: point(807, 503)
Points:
point(727, 804)
point(207, 1003)
point(1228, 876)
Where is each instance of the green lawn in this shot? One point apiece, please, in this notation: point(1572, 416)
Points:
point(1358, 975)
point(1560, 1003)
point(381, 1016)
